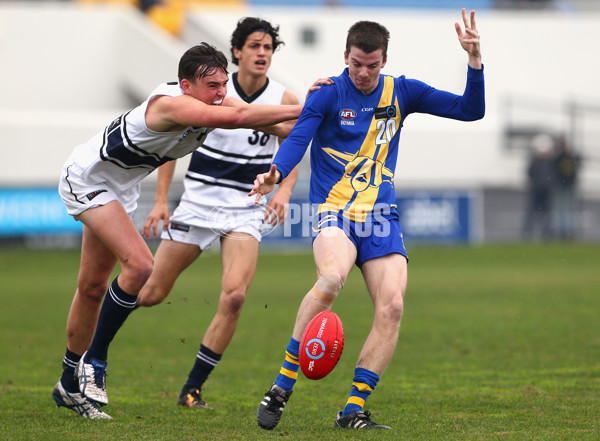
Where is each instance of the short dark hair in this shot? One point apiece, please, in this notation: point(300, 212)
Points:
point(248, 25)
point(201, 61)
point(368, 36)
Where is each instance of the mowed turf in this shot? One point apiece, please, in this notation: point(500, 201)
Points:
point(497, 343)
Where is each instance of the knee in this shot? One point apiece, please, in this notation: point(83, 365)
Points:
point(232, 301)
point(151, 294)
point(397, 307)
point(330, 285)
point(137, 271)
point(392, 310)
point(92, 290)
point(326, 289)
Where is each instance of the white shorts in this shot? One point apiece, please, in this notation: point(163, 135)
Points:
point(185, 227)
point(79, 195)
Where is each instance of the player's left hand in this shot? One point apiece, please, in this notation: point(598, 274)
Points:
point(277, 209)
point(469, 39)
point(159, 212)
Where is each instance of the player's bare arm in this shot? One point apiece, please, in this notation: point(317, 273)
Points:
point(469, 39)
point(166, 113)
point(282, 130)
point(160, 211)
point(288, 98)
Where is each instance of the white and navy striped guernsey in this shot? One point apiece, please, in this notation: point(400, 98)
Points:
point(126, 151)
point(222, 170)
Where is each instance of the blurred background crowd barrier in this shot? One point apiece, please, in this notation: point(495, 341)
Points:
point(70, 67)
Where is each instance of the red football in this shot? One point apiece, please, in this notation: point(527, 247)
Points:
point(322, 345)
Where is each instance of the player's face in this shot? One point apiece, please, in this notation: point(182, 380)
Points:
point(255, 56)
point(364, 68)
point(210, 89)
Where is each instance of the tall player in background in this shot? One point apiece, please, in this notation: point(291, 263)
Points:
point(216, 205)
point(100, 185)
point(355, 127)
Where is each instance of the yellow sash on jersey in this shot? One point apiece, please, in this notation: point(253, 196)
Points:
point(365, 170)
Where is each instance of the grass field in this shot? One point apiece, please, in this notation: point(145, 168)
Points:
point(497, 343)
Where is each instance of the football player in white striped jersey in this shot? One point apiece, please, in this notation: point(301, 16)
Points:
point(215, 204)
point(100, 184)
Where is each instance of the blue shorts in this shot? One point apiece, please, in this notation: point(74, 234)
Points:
point(378, 236)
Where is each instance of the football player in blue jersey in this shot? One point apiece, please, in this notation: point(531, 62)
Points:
point(100, 185)
point(354, 126)
point(215, 204)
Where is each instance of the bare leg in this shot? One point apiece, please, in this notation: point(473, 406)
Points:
point(114, 229)
point(171, 259)
point(108, 236)
point(97, 263)
point(334, 255)
point(239, 254)
point(112, 232)
point(386, 279)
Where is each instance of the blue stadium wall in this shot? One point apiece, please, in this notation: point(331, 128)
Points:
point(430, 216)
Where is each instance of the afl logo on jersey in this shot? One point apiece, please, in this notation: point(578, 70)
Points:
point(347, 116)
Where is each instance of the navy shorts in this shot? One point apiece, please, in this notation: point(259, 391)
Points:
point(379, 235)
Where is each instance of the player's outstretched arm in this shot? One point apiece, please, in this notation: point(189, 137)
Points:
point(264, 183)
point(167, 113)
point(283, 129)
point(469, 39)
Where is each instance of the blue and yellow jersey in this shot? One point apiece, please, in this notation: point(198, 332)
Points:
point(355, 137)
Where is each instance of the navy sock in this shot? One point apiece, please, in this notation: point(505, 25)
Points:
point(69, 365)
point(206, 360)
point(116, 308)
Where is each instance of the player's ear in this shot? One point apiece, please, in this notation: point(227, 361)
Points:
point(384, 61)
point(185, 86)
point(237, 53)
point(346, 60)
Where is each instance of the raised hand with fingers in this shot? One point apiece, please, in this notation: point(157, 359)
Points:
point(469, 39)
point(264, 183)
